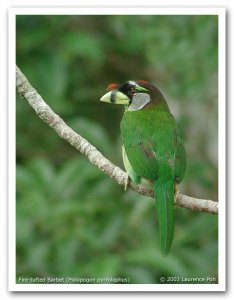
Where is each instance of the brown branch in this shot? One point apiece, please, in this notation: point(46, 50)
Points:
point(26, 90)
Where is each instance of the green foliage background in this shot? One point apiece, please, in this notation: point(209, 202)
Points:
point(72, 220)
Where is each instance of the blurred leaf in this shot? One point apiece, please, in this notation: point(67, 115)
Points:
point(151, 257)
point(83, 45)
point(139, 275)
point(94, 133)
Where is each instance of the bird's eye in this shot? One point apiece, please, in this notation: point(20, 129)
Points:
point(132, 91)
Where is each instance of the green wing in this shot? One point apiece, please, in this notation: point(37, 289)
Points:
point(148, 140)
point(180, 156)
point(135, 178)
point(156, 145)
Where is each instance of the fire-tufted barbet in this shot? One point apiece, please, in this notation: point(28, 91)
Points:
point(153, 147)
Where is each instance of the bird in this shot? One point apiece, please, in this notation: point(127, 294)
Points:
point(152, 147)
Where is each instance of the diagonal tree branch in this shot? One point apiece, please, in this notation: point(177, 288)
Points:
point(26, 90)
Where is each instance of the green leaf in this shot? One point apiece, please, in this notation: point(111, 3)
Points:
point(82, 44)
point(94, 133)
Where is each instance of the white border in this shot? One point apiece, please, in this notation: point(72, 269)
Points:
point(220, 12)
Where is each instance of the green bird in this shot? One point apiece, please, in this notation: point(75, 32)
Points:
point(153, 147)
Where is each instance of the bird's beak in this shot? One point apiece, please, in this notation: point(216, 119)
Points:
point(115, 97)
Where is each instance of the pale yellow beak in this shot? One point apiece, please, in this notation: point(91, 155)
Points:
point(115, 97)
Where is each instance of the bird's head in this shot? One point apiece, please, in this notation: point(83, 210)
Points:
point(134, 95)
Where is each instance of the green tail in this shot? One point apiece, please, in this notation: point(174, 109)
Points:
point(164, 194)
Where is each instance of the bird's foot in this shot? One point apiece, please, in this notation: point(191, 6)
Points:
point(126, 184)
point(176, 193)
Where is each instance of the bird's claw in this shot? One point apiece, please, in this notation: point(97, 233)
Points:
point(176, 193)
point(126, 184)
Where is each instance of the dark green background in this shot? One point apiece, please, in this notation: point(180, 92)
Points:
point(72, 220)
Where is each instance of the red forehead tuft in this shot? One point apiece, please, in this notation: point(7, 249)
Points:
point(112, 86)
point(142, 81)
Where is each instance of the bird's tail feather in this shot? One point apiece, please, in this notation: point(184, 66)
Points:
point(164, 195)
